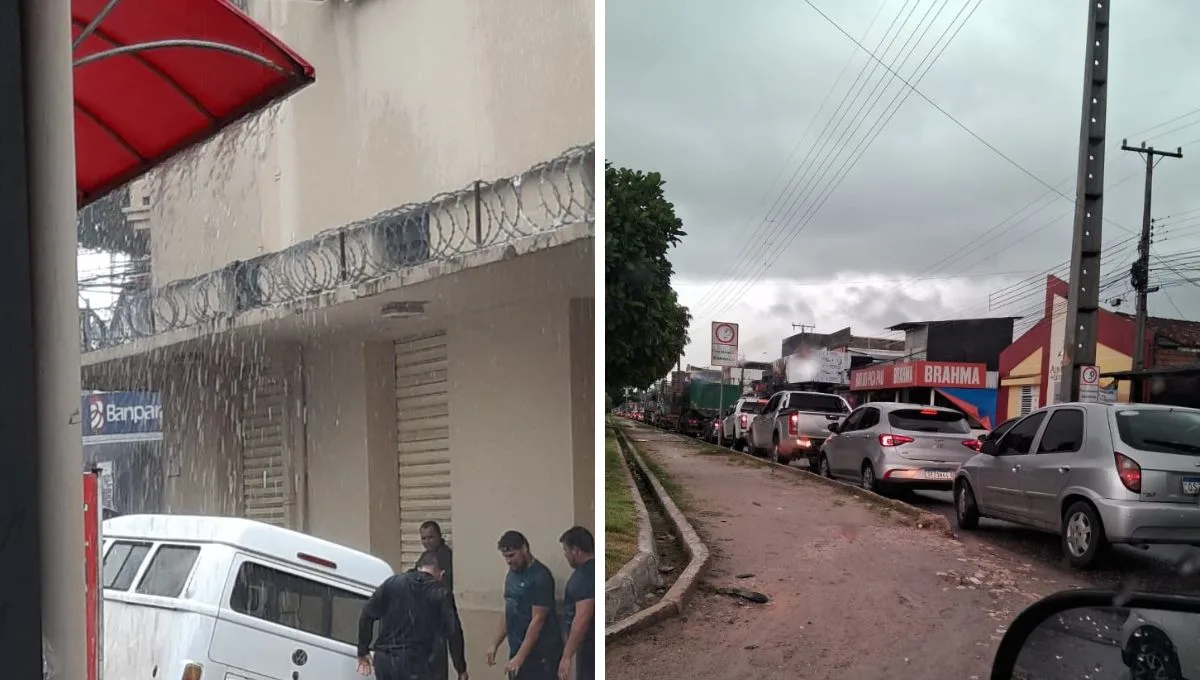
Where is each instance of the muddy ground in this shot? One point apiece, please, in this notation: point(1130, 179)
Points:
point(855, 590)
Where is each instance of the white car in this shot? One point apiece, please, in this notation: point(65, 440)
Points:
point(736, 423)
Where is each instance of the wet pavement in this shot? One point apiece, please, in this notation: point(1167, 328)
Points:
point(1158, 568)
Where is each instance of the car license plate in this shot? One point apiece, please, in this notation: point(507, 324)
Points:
point(941, 475)
point(1191, 485)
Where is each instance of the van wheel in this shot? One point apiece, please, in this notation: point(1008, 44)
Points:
point(966, 510)
point(1083, 539)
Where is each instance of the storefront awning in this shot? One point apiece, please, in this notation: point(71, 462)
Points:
point(154, 77)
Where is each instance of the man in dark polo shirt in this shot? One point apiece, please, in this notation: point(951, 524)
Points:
point(434, 544)
point(579, 605)
point(530, 621)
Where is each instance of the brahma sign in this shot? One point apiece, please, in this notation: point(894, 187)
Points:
point(919, 374)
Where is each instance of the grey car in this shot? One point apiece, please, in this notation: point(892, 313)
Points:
point(888, 446)
point(1095, 474)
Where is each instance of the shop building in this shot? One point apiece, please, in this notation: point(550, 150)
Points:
point(952, 363)
point(1031, 367)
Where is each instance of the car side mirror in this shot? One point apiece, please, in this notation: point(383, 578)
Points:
point(984, 437)
point(988, 446)
point(833, 427)
point(1143, 634)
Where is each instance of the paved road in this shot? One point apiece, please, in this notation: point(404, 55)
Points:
point(1083, 643)
point(1162, 568)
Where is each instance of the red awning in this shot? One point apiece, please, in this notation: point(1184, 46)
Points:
point(153, 77)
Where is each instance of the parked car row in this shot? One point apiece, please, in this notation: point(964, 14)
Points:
point(1094, 474)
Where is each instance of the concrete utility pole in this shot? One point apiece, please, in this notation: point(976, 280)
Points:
point(41, 555)
point(1083, 299)
point(1141, 269)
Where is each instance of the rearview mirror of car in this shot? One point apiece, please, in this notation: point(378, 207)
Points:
point(988, 446)
point(833, 427)
point(1143, 633)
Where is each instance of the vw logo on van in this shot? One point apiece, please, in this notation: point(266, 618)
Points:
point(299, 657)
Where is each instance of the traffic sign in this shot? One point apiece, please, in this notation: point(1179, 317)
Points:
point(1089, 384)
point(1089, 375)
point(724, 344)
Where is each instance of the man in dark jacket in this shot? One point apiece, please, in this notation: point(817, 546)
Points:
point(413, 609)
point(434, 544)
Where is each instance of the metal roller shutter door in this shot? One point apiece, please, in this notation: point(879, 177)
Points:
point(264, 496)
point(423, 438)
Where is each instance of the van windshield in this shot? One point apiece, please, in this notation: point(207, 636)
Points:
point(1162, 431)
point(929, 420)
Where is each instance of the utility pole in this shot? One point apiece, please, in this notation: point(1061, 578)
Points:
point(804, 328)
point(1083, 298)
point(1140, 273)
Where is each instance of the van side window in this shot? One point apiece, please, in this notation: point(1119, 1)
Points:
point(169, 570)
point(121, 564)
point(296, 602)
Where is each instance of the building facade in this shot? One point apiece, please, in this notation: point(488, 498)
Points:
point(950, 363)
point(374, 305)
point(1031, 368)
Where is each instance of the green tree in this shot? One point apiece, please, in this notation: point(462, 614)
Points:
point(645, 326)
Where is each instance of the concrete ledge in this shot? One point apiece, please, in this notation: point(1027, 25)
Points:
point(623, 592)
point(672, 603)
point(923, 519)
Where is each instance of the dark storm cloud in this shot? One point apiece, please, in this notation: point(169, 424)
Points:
point(716, 95)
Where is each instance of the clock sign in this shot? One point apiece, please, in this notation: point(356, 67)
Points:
point(724, 344)
point(726, 334)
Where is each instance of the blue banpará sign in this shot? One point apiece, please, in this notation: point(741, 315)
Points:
point(121, 413)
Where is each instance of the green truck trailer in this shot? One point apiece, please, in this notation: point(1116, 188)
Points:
point(695, 400)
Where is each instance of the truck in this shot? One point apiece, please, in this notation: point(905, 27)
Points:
point(691, 403)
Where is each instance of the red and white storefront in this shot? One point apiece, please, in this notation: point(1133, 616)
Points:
point(969, 387)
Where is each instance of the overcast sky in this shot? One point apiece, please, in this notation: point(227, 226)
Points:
point(725, 100)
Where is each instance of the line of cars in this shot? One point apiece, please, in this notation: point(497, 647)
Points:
point(1095, 474)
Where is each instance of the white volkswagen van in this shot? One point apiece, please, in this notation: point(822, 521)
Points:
point(217, 598)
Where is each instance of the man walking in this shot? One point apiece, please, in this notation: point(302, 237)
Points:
point(412, 609)
point(434, 544)
point(579, 606)
point(530, 622)
point(432, 541)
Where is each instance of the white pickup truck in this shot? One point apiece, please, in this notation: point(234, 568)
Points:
point(736, 423)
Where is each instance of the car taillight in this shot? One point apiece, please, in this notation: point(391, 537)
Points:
point(1129, 472)
point(973, 444)
point(742, 421)
point(894, 440)
point(794, 424)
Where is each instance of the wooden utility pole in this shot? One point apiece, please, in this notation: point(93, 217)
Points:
point(1083, 298)
point(1140, 272)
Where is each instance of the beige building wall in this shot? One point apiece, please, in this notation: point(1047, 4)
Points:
point(522, 405)
point(412, 99)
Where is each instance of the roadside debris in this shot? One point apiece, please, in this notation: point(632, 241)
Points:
point(748, 595)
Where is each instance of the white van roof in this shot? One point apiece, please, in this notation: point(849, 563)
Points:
point(246, 534)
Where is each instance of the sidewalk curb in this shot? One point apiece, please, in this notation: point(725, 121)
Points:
point(923, 519)
point(673, 602)
point(624, 591)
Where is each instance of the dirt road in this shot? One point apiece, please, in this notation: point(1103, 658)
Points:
point(856, 592)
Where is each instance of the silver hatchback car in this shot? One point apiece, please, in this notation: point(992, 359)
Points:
point(1095, 474)
point(887, 446)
